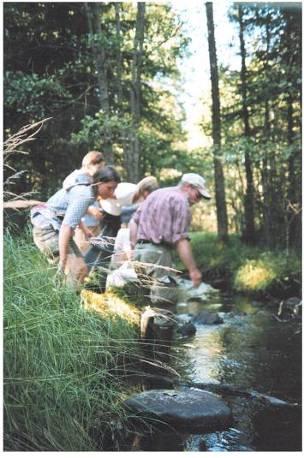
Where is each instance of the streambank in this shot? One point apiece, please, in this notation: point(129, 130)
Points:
point(254, 271)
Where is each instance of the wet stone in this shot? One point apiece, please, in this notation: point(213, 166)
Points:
point(206, 317)
point(186, 329)
point(188, 410)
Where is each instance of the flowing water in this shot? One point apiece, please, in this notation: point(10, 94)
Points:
point(253, 350)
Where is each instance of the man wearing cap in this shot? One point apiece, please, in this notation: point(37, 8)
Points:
point(161, 224)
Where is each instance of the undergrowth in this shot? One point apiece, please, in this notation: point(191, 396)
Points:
point(61, 389)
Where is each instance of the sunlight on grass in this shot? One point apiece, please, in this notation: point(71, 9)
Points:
point(254, 275)
point(109, 305)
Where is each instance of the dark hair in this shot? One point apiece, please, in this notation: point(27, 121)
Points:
point(107, 174)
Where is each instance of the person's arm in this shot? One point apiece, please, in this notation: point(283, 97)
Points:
point(133, 226)
point(133, 233)
point(95, 212)
point(65, 235)
point(88, 234)
point(184, 251)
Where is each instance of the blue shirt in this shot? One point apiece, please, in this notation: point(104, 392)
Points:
point(72, 201)
point(72, 205)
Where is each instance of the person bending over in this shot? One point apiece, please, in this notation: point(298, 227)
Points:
point(55, 221)
point(161, 225)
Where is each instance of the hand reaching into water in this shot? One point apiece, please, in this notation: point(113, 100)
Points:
point(196, 277)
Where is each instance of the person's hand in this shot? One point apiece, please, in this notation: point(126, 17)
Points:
point(62, 264)
point(58, 279)
point(196, 277)
point(88, 234)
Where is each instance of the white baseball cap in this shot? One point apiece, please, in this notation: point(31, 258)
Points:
point(124, 193)
point(199, 182)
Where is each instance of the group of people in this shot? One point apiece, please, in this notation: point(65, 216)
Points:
point(95, 217)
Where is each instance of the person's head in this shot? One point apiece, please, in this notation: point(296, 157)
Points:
point(105, 182)
point(145, 187)
point(93, 162)
point(194, 186)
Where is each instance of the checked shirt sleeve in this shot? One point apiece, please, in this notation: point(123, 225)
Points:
point(79, 202)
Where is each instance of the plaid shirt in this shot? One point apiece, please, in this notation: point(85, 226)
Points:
point(164, 216)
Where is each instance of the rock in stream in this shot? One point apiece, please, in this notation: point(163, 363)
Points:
point(187, 410)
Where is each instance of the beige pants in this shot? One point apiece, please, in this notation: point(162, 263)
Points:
point(47, 240)
point(152, 270)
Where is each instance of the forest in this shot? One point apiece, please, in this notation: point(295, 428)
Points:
point(105, 76)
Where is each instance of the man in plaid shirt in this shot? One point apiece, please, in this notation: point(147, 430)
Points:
point(160, 225)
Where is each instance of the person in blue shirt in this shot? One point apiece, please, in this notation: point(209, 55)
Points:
point(55, 221)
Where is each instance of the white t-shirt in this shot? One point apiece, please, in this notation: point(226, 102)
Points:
point(122, 247)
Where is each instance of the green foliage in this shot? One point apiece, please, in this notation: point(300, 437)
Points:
point(210, 253)
point(251, 269)
point(61, 386)
point(33, 95)
point(51, 71)
point(255, 275)
point(269, 269)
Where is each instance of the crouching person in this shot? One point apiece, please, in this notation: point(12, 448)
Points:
point(55, 221)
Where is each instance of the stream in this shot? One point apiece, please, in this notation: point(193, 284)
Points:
point(252, 350)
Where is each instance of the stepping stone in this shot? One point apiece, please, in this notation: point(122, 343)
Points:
point(188, 410)
point(206, 317)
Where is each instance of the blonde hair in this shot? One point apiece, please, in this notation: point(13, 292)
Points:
point(92, 158)
point(147, 184)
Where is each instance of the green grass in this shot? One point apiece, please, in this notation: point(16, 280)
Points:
point(61, 362)
point(250, 269)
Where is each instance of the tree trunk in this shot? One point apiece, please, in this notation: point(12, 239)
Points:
point(266, 176)
point(132, 159)
point(94, 12)
point(222, 221)
point(249, 230)
point(119, 59)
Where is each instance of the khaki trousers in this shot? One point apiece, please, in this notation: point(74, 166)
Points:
point(47, 240)
point(151, 266)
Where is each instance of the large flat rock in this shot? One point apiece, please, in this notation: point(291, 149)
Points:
point(188, 410)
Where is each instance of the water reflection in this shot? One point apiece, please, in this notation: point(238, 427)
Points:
point(253, 350)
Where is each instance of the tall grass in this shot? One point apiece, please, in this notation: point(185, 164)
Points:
point(61, 388)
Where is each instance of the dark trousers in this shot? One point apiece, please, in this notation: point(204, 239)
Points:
point(98, 258)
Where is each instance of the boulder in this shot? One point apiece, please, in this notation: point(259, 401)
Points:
point(157, 327)
point(188, 410)
point(157, 324)
point(186, 329)
point(206, 317)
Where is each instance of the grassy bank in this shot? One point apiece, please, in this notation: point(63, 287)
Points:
point(251, 270)
point(63, 365)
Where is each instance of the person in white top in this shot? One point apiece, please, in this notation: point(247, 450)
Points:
point(122, 247)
